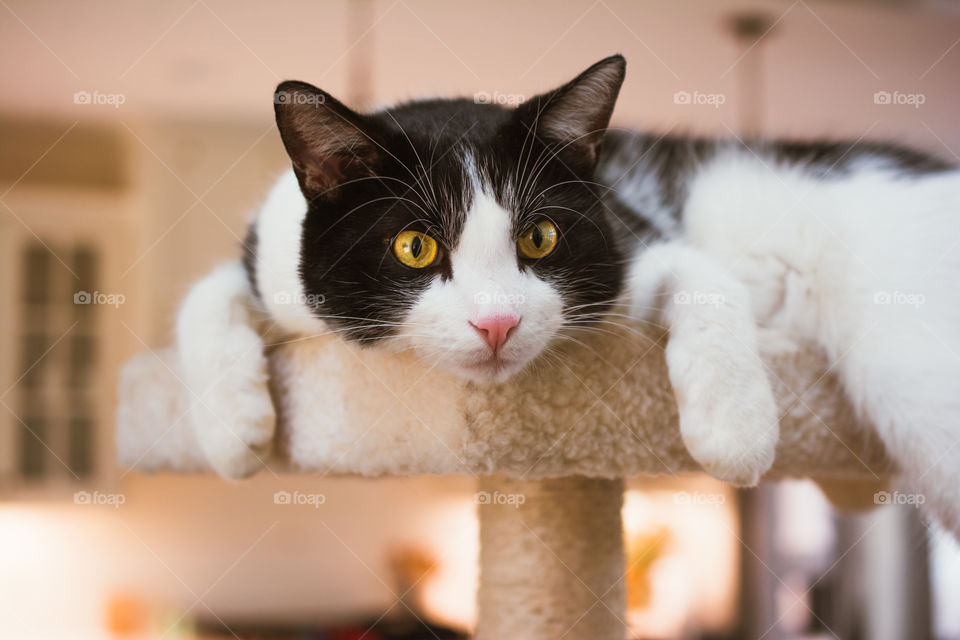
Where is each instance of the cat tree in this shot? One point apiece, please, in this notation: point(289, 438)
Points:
point(563, 434)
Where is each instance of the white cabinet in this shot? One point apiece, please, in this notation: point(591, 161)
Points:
point(62, 319)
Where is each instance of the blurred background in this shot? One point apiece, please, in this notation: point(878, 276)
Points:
point(136, 138)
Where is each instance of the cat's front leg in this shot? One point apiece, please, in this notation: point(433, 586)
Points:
point(225, 369)
point(728, 416)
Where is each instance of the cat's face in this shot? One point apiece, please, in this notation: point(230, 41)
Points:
point(468, 232)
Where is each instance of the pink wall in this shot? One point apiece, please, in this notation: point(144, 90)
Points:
point(221, 59)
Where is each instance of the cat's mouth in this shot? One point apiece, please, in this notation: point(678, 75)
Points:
point(492, 369)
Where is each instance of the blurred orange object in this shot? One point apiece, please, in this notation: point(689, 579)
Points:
point(126, 614)
point(643, 551)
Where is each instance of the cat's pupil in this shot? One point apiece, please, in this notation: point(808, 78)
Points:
point(416, 245)
point(537, 237)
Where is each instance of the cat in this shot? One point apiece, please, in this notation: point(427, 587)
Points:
point(476, 235)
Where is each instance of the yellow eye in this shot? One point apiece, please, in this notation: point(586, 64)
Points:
point(539, 240)
point(415, 249)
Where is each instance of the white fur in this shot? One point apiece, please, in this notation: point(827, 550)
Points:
point(821, 258)
point(728, 417)
point(224, 367)
point(219, 344)
point(279, 226)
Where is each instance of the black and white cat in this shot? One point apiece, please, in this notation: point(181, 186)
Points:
point(476, 235)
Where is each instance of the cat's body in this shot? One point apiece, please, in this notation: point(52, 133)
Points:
point(851, 247)
point(477, 236)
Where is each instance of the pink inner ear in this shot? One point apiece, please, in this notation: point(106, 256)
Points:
point(327, 142)
point(322, 173)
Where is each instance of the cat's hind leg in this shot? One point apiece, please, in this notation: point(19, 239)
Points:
point(890, 321)
point(223, 364)
point(904, 378)
point(900, 366)
point(728, 416)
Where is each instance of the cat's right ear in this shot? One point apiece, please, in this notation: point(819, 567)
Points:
point(327, 142)
point(574, 117)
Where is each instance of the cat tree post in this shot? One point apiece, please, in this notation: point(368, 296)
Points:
point(560, 440)
point(551, 567)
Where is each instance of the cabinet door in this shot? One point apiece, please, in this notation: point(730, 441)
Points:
point(57, 382)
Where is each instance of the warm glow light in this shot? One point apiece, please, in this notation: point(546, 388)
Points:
point(694, 581)
point(49, 587)
point(450, 592)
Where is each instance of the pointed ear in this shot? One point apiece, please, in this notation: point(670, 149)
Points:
point(327, 142)
point(574, 117)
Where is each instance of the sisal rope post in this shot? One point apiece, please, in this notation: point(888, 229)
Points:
point(551, 559)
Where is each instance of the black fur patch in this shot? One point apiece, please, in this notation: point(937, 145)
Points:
point(419, 183)
point(840, 157)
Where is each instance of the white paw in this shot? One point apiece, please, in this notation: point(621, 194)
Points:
point(224, 366)
point(728, 417)
point(234, 418)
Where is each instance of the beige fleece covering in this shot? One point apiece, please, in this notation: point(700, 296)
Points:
point(564, 540)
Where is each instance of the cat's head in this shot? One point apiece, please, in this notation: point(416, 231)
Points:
point(471, 233)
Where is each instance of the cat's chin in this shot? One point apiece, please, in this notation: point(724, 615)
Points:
point(490, 371)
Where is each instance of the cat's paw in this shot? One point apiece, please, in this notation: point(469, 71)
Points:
point(234, 417)
point(728, 417)
point(222, 358)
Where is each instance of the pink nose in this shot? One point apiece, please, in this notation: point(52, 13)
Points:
point(495, 330)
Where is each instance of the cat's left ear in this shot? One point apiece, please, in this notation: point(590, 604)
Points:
point(574, 117)
point(328, 143)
